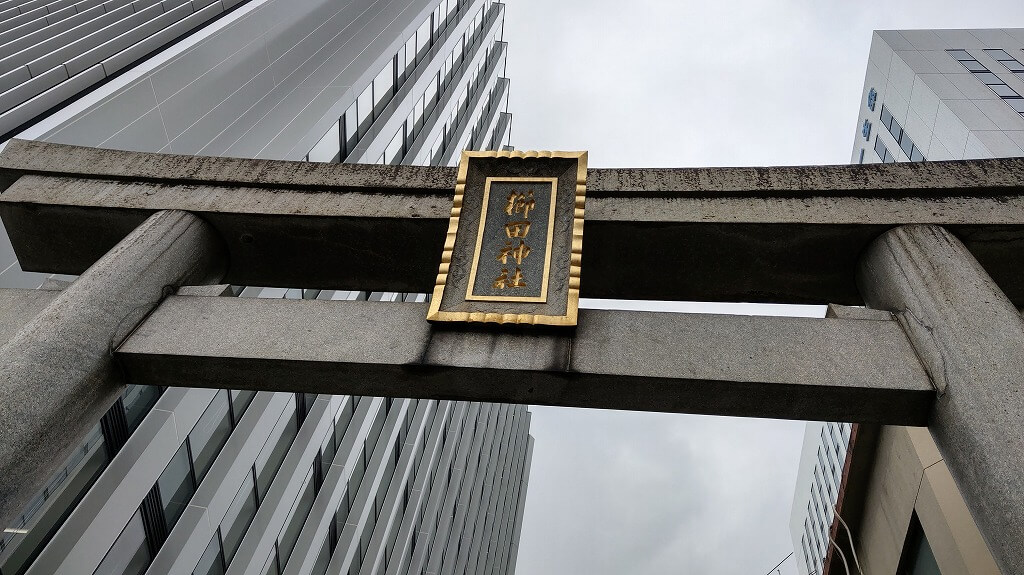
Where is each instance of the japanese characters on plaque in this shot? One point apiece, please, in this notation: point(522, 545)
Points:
point(515, 239)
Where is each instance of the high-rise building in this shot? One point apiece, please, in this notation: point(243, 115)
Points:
point(181, 480)
point(928, 95)
point(817, 490)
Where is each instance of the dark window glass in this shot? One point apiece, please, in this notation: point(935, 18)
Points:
point(988, 78)
point(270, 568)
point(138, 400)
point(344, 418)
point(974, 65)
point(886, 118)
point(176, 488)
point(210, 434)
point(998, 54)
point(240, 400)
point(272, 455)
point(1016, 104)
point(323, 559)
point(328, 450)
point(897, 131)
point(293, 526)
point(238, 518)
point(907, 145)
point(888, 159)
point(1004, 91)
point(210, 563)
point(129, 555)
point(349, 123)
point(917, 156)
point(960, 54)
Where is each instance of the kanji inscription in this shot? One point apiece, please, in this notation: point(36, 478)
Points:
point(514, 240)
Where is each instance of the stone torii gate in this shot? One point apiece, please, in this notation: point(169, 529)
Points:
point(936, 249)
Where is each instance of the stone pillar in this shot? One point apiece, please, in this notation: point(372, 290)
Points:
point(57, 375)
point(971, 340)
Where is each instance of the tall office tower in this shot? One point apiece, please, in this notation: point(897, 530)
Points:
point(928, 95)
point(182, 480)
point(817, 490)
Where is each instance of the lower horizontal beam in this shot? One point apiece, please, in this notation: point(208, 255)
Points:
point(791, 368)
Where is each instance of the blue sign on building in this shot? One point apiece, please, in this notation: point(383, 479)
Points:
point(872, 95)
point(865, 130)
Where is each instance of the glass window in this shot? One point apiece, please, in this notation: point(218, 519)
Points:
point(923, 561)
point(270, 567)
point(293, 525)
point(350, 122)
point(364, 106)
point(393, 153)
point(383, 86)
point(1013, 65)
point(129, 555)
point(1016, 104)
point(323, 559)
point(998, 54)
point(176, 487)
point(422, 39)
point(327, 450)
point(886, 118)
point(329, 146)
point(436, 21)
point(896, 130)
point(272, 455)
point(430, 96)
point(138, 400)
point(238, 518)
point(436, 148)
point(1004, 91)
point(210, 563)
point(974, 65)
point(907, 145)
point(342, 420)
point(410, 54)
point(960, 54)
point(988, 78)
point(240, 400)
point(210, 434)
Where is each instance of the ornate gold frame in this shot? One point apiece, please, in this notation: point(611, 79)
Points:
point(575, 258)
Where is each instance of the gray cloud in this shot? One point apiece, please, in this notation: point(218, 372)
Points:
point(662, 83)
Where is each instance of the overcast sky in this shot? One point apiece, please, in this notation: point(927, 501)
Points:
point(675, 84)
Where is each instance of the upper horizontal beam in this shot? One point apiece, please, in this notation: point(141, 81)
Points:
point(821, 369)
point(786, 234)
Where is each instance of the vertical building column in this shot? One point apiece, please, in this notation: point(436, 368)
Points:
point(57, 375)
point(971, 340)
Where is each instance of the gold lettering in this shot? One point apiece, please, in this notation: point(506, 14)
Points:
point(504, 281)
point(518, 253)
point(517, 229)
point(519, 203)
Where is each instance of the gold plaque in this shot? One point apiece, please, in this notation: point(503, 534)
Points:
point(515, 240)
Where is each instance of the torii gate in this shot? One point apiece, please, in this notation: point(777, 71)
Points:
point(940, 245)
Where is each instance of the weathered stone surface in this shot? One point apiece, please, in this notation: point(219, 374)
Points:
point(57, 375)
point(18, 307)
point(971, 339)
point(786, 234)
point(826, 369)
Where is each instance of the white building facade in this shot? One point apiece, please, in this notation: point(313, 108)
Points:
point(928, 95)
point(205, 481)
